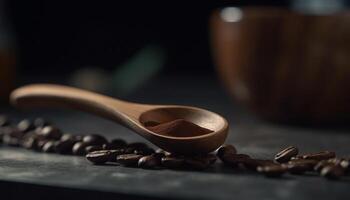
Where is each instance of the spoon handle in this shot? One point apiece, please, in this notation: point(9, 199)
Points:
point(48, 95)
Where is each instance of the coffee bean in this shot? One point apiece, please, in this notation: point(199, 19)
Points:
point(92, 148)
point(49, 147)
point(11, 141)
point(130, 160)
point(68, 136)
point(320, 165)
point(99, 157)
point(41, 143)
point(234, 160)
point(40, 122)
point(226, 149)
point(25, 125)
point(79, 148)
point(286, 154)
point(50, 132)
point(30, 143)
point(301, 166)
point(253, 164)
point(118, 143)
point(4, 121)
point(272, 170)
point(199, 162)
point(323, 155)
point(94, 139)
point(332, 171)
point(64, 146)
point(149, 162)
point(173, 162)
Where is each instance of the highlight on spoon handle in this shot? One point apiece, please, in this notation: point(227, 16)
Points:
point(48, 95)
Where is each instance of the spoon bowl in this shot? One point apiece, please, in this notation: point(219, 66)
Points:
point(131, 115)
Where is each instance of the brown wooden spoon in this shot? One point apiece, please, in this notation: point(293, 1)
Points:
point(130, 115)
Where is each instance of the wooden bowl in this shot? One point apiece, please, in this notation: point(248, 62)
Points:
point(284, 65)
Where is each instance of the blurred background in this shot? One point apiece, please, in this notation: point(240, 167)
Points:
point(119, 48)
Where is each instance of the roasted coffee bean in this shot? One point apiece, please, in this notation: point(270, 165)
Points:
point(301, 166)
point(13, 132)
point(64, 146)
point(68, 136)
point(118, 143)
point(234, 160)
point(79, 148)
point(130, 160)
point(272, 170)
point(323, 155)
point(25, 125)
point(11, 141)
point(286, 154)
point(30, 143)
point(115, 153)
point(40, 122)
point(41, 143)
point(94, 139)
point(99, 157)
point(4, 121)
point(226, 149)
point(92, 148)
point(49, 147)
point(50, 132)
point(173, 162)
point(149, 162)
point(332, 171)
point(321, 164)
point(199, 162)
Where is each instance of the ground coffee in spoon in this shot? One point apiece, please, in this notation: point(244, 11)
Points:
point(179, 128)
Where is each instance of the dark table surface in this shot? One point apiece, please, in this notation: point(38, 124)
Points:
point(27, 173)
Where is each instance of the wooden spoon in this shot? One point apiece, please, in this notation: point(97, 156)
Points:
point(130, 115)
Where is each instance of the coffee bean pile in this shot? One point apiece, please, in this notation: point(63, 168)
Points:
point(288, 160)
point(42, 136)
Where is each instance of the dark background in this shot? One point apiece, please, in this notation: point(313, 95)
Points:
point(57, 37)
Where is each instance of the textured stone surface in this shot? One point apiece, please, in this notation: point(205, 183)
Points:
point(250, 136)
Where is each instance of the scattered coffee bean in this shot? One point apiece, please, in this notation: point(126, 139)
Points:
point(234, 160)
point(225, 150)
point(50, 132)
point(49, 147)
point(79, 148)
point(323, 155)
point(40, 122)
point(173, 162)
point(286, 154)
point(94, 139)
point(199, 162)
point(332, 171)
point(130, 160)
point(92, 148)
point(301, 166)
point(11, 141)
point(30, 143)
point(64, 146)
point(25, 125)
point(99, 157)
point(272, 170)
point(320, 165)
point(149, 162)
